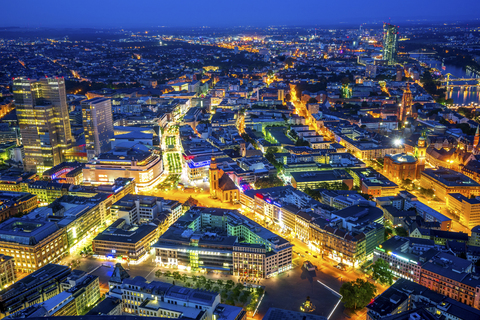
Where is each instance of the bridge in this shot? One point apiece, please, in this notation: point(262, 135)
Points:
point(450, 81)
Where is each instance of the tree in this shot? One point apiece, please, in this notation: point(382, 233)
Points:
point(216, 289)
point(357, 294)
point(270, 182)
point(312, 100)
point(288, 97)
point(400, 231)
point(176, 275)
point(302, 143)
point(230, 284)
point(381, 272)
point(167, 274)
point(220, 282)
point(158, 273)
point(208, 286)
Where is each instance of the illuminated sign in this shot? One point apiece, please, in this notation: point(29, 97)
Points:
point(193, 165)
point(277, 204)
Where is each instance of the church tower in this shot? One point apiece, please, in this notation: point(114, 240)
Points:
point(406, 107)
point(476, 139)
point(213, 176)
point(420, 154)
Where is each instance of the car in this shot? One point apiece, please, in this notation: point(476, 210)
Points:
point(306, 252)
point(315, 256)
point(341, 266)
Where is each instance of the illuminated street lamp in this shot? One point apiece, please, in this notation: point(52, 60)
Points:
point(398, 142)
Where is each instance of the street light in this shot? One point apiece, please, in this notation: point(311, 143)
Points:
point(397, 142)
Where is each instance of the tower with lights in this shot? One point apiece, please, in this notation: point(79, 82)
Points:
point(390, 43)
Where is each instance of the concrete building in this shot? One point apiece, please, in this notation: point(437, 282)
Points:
point(208, 238)
point(80, 217)
point(444, 181)
point(32, 243)
point(160, 299)
point(130, 243)
point(16, 203)
point(314, 180)
point(34, 288)
point(350, 235)
point(97, 126)
point(139, 209)
point(137, 161)
point(44, 121)
point(468, 210)
point(7, 271)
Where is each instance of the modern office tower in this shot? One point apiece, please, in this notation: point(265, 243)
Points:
point(44, 121)
point(390, 42)
point(97, 125)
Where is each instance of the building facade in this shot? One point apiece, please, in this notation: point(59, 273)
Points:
point(97, 126)
point(44, 121)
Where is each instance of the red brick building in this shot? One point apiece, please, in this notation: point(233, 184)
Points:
point(401, 166)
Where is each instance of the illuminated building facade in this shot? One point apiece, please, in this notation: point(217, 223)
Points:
point(44, 121)
point(468, 210)
point(80, 217)
point(16, 203)
point(161, 299)
point(137, 162)
point(189, 245)
point(400, 167)
point(406, 105)
point(403, 264)
point(97, 126)
point(130, 243)
point(7, 271)
point(390, 42)
point(37, 287)
point(222, 186)
point(33, 244)
point(444, 181)
point(140, 209)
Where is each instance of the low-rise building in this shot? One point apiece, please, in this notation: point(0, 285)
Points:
point(34, 288)
point(32, 243)
point(160, 299)
point(80, 217)
point(467, 209)
point(7, 271)
point(444, 181)
point(16, 203)
point(139, 209)
point(208, 238)
point(350, 235)
point(130, 243)
point(137, 161)
point(401, 166)
point(314, 180)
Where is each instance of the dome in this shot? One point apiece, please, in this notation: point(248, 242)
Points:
point(403, 158)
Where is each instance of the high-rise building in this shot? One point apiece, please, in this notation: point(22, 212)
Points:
point(390, 42)
point(97, 126)
point(44, 121)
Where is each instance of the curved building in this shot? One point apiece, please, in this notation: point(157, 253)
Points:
point(401, 166)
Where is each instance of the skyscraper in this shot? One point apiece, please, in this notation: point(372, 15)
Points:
point(44, 121)
point(97, 126)
point(390, 42)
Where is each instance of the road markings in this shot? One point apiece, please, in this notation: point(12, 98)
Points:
point(334, 292)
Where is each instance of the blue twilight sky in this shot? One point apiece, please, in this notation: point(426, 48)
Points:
point(187, 13)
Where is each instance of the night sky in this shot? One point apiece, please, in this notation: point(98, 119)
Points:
point(226, 13)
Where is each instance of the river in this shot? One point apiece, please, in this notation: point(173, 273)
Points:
point(459, 96)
